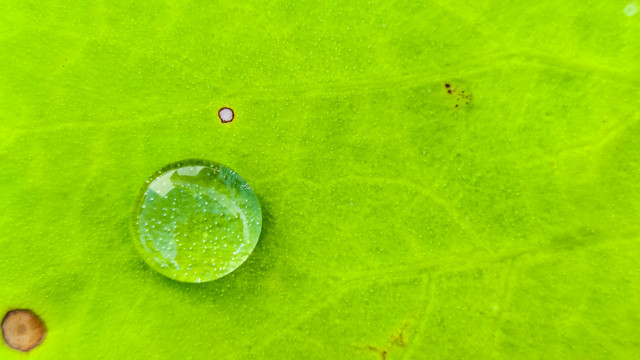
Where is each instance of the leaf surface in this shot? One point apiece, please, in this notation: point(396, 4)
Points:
point(400, 221)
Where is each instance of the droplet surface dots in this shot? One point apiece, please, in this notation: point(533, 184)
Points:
point(23, 330)
point(196, 221)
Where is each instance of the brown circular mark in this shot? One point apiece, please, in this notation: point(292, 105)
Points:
point(226, 115)
point(23, 330)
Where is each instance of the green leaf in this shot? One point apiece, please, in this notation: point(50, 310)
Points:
point(396, 225)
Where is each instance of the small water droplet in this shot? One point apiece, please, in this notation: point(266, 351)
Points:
point(194, 190)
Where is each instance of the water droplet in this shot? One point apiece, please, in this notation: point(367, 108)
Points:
point(207, 202)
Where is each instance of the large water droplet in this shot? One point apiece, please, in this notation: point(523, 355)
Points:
point(201, 198)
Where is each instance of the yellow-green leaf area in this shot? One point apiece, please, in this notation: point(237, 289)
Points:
point(399, 221)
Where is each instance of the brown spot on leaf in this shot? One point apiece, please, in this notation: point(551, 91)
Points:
point(460, 95)
point(23, 330)
point(397, 339)
point(381, 352)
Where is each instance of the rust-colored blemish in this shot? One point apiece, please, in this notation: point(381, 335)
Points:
point(23, 330)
